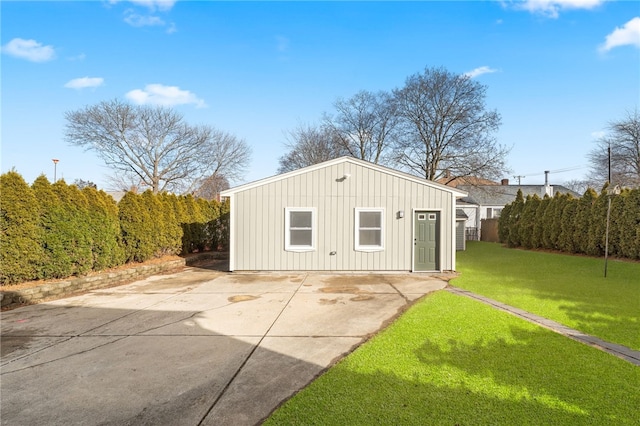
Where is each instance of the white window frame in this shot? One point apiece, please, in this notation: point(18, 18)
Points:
point(368, 248)
point(287, 229)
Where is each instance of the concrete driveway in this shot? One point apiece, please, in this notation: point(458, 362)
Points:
point(199, 347)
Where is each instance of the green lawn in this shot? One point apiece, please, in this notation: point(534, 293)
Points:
point(450, 360)
point(568, 289)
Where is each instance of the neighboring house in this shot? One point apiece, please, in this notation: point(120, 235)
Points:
point(461, 221)
point(487, 201)
point(343, 215)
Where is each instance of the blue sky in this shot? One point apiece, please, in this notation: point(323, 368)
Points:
point(557, 71)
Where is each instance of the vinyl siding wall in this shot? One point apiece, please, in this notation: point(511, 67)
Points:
point(258, 220)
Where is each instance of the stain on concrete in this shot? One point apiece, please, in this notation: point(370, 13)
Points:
point(349, 289)
point(328, 301)
point(9, 343)
point(242, 298)
point(361, 298)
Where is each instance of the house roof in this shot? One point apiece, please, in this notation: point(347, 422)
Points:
point(455, 191)
point(465, 180)
point(500, 195)
point(460, 214)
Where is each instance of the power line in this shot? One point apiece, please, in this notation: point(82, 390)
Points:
point(567, 169)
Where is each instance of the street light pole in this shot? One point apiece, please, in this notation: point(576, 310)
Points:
point(55, 167)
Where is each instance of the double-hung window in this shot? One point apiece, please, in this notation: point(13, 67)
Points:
point(300, 229)
point(369, 227)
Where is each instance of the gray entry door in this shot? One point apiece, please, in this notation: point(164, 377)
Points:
point(426, 226)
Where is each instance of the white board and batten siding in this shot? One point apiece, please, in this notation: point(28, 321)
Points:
point(257, 221)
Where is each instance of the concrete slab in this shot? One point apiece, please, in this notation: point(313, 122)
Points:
point(276, 370)
point(57, 319)
point(134, 380)
point(336, 314)
point(347, 284)
point(198, 347)
point(234, 314)
point(411, 286)
point(46, 349)
point(251, 283)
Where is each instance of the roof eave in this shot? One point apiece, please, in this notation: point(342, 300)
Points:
point(454, 191)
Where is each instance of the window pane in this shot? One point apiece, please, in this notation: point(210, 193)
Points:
point(370, 237)
point(370, 219)
point(300, 220)
point(300, 237)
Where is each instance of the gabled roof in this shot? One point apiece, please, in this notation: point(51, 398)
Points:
point(500, 195)
point(351, 160)
point(460, 214)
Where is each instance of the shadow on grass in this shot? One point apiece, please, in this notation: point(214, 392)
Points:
point(559, 287)
point(495, 382)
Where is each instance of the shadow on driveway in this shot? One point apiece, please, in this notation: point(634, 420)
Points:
point(195, 347)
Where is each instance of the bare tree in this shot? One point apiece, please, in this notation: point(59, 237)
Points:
point(81, 184)
point(577, 185)
point(211, 187)
point(445, 126)
point(155, 145)
point(363, 124)
point(125, 181)
point(623, 140)
point(225, 158)
point(310, 145)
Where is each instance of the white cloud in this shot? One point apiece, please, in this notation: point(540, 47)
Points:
point(81, 57)
point(136, 20)
point(479, 71)
point(159, 94)
point(163, 5)
point(552, 8)
point(30, 50)
point(84, 82)
point(153, 5)
point(598, 134)
point(629, 34)
point(172, 28)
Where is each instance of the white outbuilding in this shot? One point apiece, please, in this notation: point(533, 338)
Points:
point(343, 215)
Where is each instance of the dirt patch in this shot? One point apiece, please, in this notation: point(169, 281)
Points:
point(242, 298)
point(340, 289)
point(361, 298)
point(328, 301)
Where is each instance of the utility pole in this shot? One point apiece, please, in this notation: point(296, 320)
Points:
point(609, 159)
point(519, 177)
point(55, 166)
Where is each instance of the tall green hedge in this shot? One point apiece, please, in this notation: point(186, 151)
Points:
point(57, 230)
point(56, 262)
point(104, 226)
point(21, 252)
point(137, 227)
point(575, 225)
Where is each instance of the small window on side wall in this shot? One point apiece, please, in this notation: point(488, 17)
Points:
point(300, 229)
point(369, 229)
